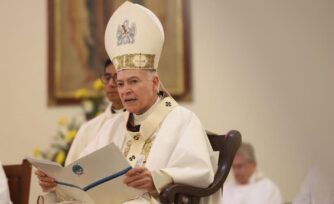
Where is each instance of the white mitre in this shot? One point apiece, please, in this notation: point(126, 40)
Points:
point(134, 38)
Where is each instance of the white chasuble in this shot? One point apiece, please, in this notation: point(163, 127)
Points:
point(182, 151)
point(177, 147)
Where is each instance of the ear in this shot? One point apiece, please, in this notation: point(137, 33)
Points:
point(156, 83)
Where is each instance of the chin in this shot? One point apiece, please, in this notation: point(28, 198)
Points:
point(130, 109)
point(135, 111)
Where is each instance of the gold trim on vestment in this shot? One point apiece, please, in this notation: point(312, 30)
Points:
point(140, 143)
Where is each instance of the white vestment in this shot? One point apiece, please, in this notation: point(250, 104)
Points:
point(180, 150)
point(317, 188)
point(259, 190)
point(176, 148)
point(86, 133)
point(4, 191)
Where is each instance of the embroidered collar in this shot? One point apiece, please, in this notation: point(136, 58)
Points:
point(153, 120)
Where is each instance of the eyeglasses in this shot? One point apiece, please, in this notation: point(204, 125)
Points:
point(106, 77)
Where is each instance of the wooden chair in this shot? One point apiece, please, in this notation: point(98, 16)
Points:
point(18, 176)
point(227, 145)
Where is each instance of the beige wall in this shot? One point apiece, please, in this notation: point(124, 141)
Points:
point(265, 68)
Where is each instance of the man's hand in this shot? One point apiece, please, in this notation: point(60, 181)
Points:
point(141, 178)
point(46, 182)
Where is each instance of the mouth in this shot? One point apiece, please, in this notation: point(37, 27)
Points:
point(130, 100)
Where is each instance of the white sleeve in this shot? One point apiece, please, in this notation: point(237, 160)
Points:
point(190, 161)
point(76, 146)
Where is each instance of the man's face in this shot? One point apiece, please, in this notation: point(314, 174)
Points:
point(110, 86)
point(242, 169)
point(137, 91)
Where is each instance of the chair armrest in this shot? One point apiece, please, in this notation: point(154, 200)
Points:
point(173, 192)
point(227, 145)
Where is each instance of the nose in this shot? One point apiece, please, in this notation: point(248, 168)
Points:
point(124, 89)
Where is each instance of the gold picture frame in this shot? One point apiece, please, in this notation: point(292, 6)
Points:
point(76, 45)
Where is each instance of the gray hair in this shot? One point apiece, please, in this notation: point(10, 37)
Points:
point(151, 73)
point(247, 151)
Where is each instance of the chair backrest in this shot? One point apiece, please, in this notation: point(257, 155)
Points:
point(18, 176)
point(227, 145)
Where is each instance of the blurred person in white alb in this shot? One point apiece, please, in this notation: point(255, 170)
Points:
point(318, 185)
point(89, 130)
point(249, 185)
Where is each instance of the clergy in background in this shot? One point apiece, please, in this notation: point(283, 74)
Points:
point(90, 129)
point(249, 185)
point(318, 185)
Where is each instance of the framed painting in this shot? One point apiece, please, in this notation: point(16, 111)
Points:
point(76, 46)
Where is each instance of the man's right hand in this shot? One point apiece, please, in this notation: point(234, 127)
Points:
point(47, 183)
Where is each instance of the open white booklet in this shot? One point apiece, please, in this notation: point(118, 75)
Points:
point(94, 179)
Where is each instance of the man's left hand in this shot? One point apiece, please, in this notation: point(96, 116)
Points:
point(141, 178)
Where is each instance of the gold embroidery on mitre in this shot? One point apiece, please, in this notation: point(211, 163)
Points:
point(126, 33)
point(134, 61)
